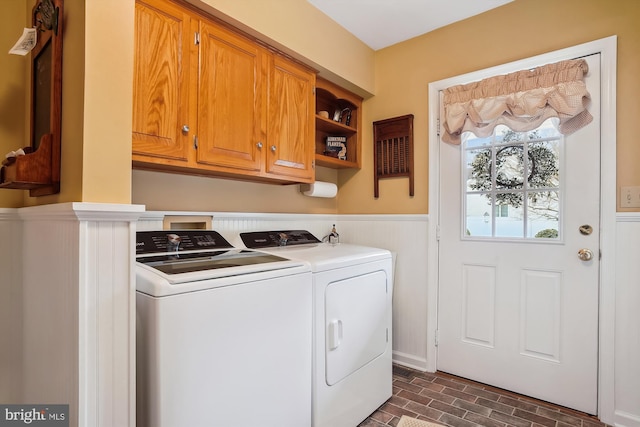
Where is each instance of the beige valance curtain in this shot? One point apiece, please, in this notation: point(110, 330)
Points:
point(520, 100)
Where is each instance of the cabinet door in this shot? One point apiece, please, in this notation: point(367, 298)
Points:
point(161, 83)
point(231, 104)
point(291, 126)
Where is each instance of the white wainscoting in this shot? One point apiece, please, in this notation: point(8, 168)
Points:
point(627, 321)
point(404, 235)
point(10, 306)
point(78, 310)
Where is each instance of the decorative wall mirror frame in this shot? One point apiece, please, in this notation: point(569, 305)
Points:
point(39, 170)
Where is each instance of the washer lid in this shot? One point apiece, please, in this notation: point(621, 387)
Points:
point(189, 262)
point(179, 257)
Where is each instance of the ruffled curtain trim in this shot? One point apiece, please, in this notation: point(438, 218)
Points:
point(522, 101)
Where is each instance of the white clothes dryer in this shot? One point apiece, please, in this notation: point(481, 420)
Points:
point(352, 300)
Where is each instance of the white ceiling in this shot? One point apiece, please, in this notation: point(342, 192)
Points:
point(382, 23)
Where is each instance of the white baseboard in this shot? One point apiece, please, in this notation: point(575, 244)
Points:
point(625, 419)
point(410, 361)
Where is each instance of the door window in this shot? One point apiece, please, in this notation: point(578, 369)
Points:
point(512, 184)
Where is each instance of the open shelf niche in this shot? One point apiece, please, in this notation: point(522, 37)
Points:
point(344, 110)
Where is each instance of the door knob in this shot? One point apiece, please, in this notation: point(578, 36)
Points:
point(585, 254)
point(273, 148)
point(185, 128)
point(259, 144)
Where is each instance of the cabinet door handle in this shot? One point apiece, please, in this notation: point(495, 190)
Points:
point(259, 144)
point(185, 128)
point(273, 148)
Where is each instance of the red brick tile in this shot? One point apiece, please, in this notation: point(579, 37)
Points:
point(500, 407)
point(472, 407)
point(459, 394)
point(516, 403)
point(424, 410)
point(448, 408)
point(425, 400)
point(449, 383)
point(534, 418)
point(423, 382)
point(382, 417)
point(437, 396)
point(476, 391)
point(454, 421)
point(510, 419)
point(483, 421)
point(396, 410)
point(399, 400)
point(407, 386)
point(560, 416)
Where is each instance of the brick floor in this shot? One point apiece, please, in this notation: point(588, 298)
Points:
point(457, 402)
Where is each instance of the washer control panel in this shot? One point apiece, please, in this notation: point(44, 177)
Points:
point(270, 239)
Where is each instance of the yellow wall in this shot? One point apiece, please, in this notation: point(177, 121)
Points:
point(161, 191)
point(517, 30)
point(13, 82)
point(108, 94)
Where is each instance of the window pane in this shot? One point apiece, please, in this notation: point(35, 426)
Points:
point(478, 169)
point(472, 141)
point(504, 135)
point(543, 215)
point(512, 183)
point(510, 168)
point(513, 224)
point(544, 156)
point(478, 216)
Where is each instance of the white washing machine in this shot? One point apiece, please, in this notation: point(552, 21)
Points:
point(352, 299)
point(223, 335)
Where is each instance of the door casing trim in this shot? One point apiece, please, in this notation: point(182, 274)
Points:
point(607, 48)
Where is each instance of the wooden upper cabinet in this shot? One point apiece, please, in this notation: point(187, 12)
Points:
point(162, 82)
point(291, 126)
point(209, 99)
point(231, 104)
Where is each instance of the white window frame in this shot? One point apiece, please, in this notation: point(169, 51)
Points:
point(525, 191)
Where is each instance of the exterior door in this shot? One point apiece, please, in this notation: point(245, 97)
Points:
point(518, 300)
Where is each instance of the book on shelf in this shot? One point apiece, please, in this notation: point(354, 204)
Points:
point(336, 146)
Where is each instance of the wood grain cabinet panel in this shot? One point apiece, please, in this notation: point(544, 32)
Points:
point(231, 110)
point(161, 82)
point(291, 128)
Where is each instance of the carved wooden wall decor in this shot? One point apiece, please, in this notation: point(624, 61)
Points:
point(393, 150)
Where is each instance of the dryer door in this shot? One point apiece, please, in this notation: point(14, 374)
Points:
point(355, 323)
